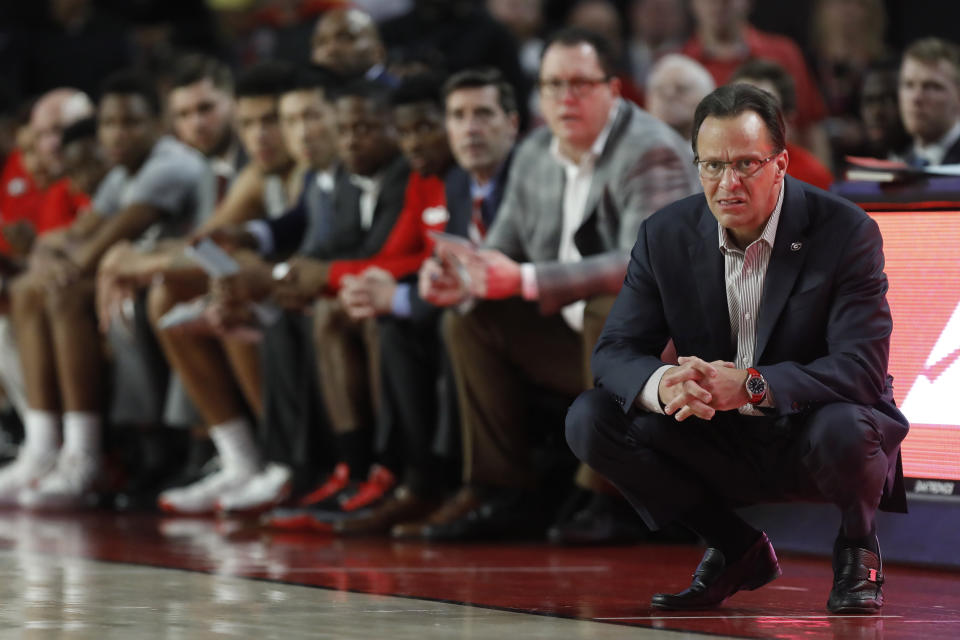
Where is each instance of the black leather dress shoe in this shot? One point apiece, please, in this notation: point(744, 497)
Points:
point(857, 581)
point(505, 514)
point(603, 520)
point(714, 581)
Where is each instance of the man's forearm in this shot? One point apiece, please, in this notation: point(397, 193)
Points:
point(560, 283)
point(127, 224)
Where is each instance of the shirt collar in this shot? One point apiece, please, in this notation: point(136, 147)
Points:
point(769, 230)
point(934, 152)
point(484, 190)
point(596, 149)
point(481, 191)
point(374, 72)
point(325, 180)
point(367, 184)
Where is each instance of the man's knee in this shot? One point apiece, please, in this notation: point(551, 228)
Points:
point(28, 292)
point(843, 435)
point(67, 301)
point(487, 325)
point(456, 327)
point(329, 319)
point(585, 419)
point(160, 299)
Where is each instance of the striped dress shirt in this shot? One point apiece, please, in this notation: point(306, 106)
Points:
point(744, 273)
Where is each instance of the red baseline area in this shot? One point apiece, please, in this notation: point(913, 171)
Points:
point(612, 585)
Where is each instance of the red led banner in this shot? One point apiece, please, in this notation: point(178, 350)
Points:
point(922, 252)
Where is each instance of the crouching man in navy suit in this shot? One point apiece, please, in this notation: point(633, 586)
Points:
point(774, 292)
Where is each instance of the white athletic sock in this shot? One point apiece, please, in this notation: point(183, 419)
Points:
point(81, 433)
point(235, 444)
point(41, 430)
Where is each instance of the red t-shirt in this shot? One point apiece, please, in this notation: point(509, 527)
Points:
point(782, 50)
point(19, 196)
point(805, 166)
point(59, 207)
point(20, 199)
point(409, 244)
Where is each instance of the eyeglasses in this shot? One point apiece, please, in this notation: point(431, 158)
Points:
point(579, 87)
point(743, 167)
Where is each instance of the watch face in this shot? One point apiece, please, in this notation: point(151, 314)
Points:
point(756, 385)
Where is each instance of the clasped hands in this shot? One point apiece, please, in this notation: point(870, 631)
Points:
point(699, 388)
point(296, 288)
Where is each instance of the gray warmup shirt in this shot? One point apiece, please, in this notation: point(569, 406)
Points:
point(175, 179)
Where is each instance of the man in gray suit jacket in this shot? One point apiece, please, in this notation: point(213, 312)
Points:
point(577, 193)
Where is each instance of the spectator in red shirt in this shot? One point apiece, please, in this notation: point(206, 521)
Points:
point(724, 39)
point(40, 165)
point(84, 167)
point(772, 78)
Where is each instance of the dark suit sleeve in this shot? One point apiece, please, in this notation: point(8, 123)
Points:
point(421, 311)
point(635, 331)
point(858, 334)
point(288, 229)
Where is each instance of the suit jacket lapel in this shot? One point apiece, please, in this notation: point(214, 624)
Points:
point(707, 261)
point(786, 260)
point(459, 201)
point(551, 200)
point(392, 187)
point(346, 202)
point(603, 170)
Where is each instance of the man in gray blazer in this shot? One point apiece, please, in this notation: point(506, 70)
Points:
point(557, 253)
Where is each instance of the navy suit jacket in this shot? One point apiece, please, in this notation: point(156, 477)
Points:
point(344, 238)
point(823, 333)
point(460, 206)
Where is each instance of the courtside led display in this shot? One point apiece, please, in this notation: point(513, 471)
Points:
point(923, 265)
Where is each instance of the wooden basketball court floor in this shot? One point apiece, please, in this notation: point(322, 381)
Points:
point(103, 575)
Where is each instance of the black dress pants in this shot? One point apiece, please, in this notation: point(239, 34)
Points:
point(840, 453)
point(411, 362)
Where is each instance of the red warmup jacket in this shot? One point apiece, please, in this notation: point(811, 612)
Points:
point(409, 244)
point(19, 196)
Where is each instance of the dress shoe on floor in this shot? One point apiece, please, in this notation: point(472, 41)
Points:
point(714, 580)
point(484, 514)
point(604, 519)
point(857, 581)
point(401, 506)
point(453, 509)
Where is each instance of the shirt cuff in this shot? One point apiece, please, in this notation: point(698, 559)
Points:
point(401, 301)
point(260, 230)
point(649, 397)
point(528, 281)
